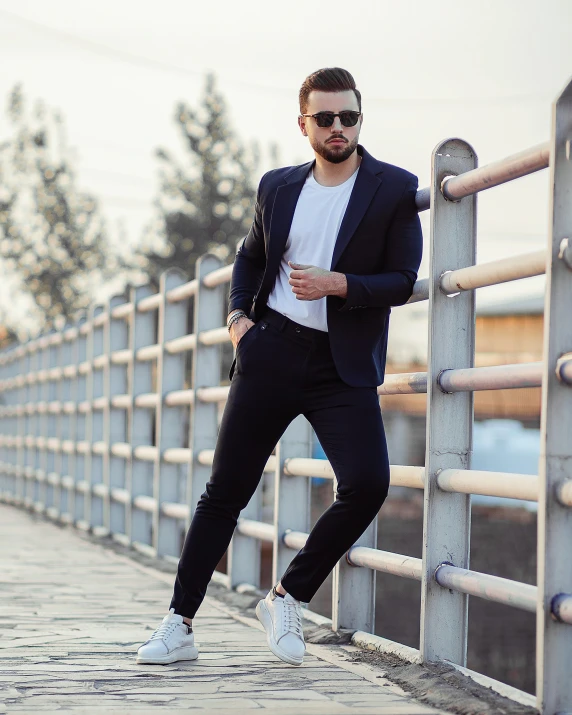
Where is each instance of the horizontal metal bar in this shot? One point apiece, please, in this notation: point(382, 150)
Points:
point(144, 549)
point(256, 529)
point(218, 276)
point(403, 476)
point(121, 449)
point(498, 172)
point(564, 369)
point(493, 484)
point(420, 291)
point(121, 496)
point(177, 455)
point(491, 588)
point(493, 273)
point(212, 394)
point(179, 398)
point(294, 539)
point(100, 490)
point(496, 377)
point(145, 503)
point(423, 198)
point(175, 511)
point(149, 399)
point(146, 453)
point(149, 352)
point(214, 336)
point(182, 292)
point(405, 383)
point(180, 345)
point(406, 566)
point(151, 302)
point(564, 492)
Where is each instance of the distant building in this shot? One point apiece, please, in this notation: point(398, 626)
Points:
point(506, 333)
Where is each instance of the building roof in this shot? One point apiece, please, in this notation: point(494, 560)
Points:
point(527, 305)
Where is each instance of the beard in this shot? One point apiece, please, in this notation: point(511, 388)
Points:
point(334, 153)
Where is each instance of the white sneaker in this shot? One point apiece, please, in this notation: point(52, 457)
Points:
point(170, 642)
point(282, 619)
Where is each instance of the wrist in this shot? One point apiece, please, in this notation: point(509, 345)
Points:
point(339, 285)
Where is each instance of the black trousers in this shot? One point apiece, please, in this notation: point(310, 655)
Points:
point(284, 369)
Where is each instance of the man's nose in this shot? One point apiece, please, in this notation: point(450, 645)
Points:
point(337, 125)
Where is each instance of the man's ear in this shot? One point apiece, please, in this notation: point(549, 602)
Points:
point(302, 125)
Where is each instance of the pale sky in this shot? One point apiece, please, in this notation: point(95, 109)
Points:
point(484, 71)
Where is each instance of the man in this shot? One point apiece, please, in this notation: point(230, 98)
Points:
point(334, 244)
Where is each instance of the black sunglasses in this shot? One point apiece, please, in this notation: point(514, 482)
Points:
point(348, 118)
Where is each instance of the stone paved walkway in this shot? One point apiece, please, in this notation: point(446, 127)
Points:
point(72, 614)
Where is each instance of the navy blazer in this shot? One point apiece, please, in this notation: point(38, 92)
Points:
point(378, 248)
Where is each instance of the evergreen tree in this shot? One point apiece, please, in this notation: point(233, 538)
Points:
point(206, 200)
point(52, 236)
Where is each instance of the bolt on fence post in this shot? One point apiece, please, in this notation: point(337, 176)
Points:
point(203, 426)
point(141, 419)
point(447, 516)
point(554, 639)
point(170, 425)
point(292, 506)
point(116, 337)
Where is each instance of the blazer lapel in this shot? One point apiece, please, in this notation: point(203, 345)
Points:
point(285, 201)
point(364, 189)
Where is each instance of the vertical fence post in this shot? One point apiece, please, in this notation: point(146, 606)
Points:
point(42, 417)
point(353, 588)
point(22, 424)
point(66, 424)
point(80, 472)
point(115, 338)
point(446, 531)
point(554, 639)
point(208, 314)
point(141, 419)
point(292, 506)
point(54, 427)
point(97, 499)
point(170, 421)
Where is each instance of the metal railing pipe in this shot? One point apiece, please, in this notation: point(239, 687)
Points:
point(491, 588)
point(256, 529)
point(498, 172)
point(385, 561)
point(405, 383)
point(495, 377)
point(493, 273)
point(492, 484)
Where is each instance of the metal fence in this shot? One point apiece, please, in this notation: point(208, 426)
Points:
point(93, 427)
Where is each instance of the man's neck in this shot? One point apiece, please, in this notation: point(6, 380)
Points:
point(328, 174)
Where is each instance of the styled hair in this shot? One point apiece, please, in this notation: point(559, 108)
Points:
point(328, 79)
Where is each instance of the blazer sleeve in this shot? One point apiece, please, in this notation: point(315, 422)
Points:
point(249, 262)
point(404, 247)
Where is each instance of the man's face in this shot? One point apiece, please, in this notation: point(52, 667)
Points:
point(336, 143)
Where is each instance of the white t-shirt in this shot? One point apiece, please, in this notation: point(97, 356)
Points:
point(315, 225)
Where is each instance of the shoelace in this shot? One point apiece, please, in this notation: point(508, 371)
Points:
point(292, 621)
point(164, 630)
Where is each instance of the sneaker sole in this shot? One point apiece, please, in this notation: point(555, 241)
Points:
point(180, 654)
point(265, 618)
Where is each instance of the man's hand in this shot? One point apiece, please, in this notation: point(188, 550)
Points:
point(313, 283)
point(238, 328)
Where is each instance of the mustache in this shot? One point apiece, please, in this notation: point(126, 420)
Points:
point(337, 139)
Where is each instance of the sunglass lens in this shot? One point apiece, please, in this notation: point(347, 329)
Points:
point(349, 119)
point(325, 119)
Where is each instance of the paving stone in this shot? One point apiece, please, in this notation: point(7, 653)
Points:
point(74, 613)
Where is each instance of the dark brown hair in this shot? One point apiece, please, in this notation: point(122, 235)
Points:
point(328, 79)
